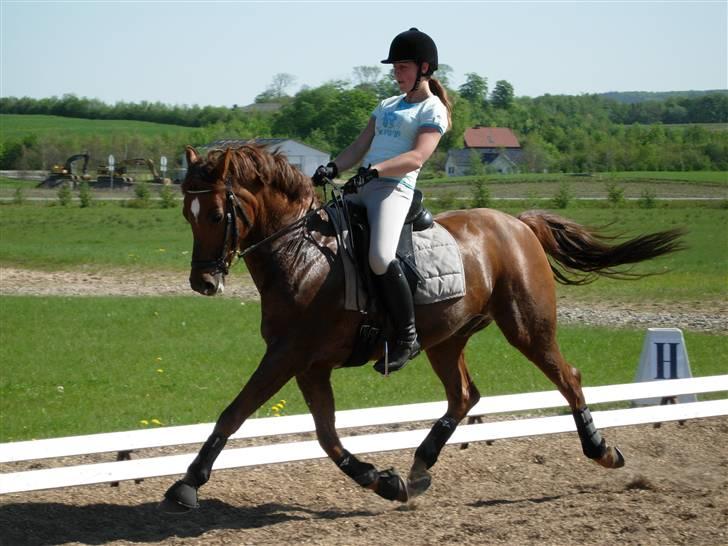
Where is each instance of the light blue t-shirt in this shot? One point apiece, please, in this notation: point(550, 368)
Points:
point(397, 123)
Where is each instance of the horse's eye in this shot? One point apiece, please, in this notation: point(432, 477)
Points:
point(217, 217)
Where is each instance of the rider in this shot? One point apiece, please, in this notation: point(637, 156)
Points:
point(401, 135)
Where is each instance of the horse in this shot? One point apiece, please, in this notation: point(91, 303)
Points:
point(252, 203)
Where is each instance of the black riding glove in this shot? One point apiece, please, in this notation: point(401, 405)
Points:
point(362, 176)
point(325, 174)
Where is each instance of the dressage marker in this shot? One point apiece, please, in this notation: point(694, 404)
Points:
point(51, 478)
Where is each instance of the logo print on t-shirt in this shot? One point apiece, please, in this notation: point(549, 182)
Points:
point(391, 124)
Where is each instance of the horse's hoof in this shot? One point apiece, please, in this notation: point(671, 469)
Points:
point(612, 458)
point(391, 486)
point(180, 498)
point(170, 507)
point(417, 485)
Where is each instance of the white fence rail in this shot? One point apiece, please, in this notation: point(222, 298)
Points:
point(297, 451)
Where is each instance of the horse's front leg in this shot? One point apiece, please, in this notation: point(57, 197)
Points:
point(272, 373)
point(448, 361)
point(315, 384)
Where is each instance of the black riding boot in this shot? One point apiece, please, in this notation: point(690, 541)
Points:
point(395, 292)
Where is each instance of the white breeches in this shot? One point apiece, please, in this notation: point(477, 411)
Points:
point(387, 204)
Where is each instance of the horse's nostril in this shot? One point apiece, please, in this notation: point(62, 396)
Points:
point(209, 287)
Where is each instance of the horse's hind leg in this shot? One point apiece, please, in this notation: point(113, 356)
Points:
point(533, 332)
point(448, 361)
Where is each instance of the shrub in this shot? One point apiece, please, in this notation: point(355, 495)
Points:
point(84, 194)
point(647, 199)
point(615, 194)
point(143, 196)
point(167, 195)
point(64, 195)
point(563, 197)
point(481, 193)
point(447, 201)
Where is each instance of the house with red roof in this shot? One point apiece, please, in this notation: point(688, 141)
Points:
point(498, 148)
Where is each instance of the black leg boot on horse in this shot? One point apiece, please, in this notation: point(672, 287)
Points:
point(395, 293)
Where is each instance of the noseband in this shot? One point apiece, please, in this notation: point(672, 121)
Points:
point(232, 207)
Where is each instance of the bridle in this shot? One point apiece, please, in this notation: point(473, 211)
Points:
point(232, 207)
point(232, 235)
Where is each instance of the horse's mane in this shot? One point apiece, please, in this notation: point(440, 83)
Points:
point(253, 163)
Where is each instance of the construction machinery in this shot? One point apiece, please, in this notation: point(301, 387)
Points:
point(122, 176)
point(156, 177)
point(61, 174)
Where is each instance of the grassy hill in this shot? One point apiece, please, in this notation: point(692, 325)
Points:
point(14, 126)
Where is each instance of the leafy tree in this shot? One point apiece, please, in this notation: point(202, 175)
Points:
point(475, 89)
point(367, 76)
point(502, 95)
point(277, 88)
point(475, 163)
point(444, 73)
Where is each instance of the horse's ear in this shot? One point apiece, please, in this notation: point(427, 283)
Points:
point(192, 155)
point(224, 164)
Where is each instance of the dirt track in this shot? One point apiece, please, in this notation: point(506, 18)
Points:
point(540, 491)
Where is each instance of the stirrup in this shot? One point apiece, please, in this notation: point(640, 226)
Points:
point(385, 366)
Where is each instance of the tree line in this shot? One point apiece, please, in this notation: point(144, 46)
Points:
point(557, 132)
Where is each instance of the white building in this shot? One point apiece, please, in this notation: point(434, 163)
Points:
point(301, 156)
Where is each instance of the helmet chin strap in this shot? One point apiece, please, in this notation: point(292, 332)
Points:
point(418, 79)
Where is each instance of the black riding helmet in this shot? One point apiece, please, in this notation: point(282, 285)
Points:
point(413, 45)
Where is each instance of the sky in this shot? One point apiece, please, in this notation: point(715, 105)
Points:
point(222, 53)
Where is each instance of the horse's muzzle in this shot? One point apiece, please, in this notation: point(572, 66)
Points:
point(207, 284)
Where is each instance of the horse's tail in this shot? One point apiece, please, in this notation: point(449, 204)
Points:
point(583, 254)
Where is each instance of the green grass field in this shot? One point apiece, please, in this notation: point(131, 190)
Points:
point(17, 126)
point(105, 235)
point(85, 365)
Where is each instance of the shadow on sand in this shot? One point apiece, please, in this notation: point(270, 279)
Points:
point(36, 524)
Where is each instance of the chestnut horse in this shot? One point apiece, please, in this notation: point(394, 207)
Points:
point(251, 202)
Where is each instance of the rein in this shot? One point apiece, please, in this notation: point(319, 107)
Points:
point(222, 264)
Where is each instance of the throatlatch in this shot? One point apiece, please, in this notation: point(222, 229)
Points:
point(592, 443)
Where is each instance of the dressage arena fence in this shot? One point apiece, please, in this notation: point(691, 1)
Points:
point(65, 476)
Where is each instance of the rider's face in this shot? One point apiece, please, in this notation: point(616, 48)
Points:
point(405, 73)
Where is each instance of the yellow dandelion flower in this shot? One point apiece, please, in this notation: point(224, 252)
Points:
point(144, 422)
point(156, 422)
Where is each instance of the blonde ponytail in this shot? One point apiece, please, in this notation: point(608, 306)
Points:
point(439, 90)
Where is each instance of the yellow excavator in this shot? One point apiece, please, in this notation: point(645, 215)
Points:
point(156, 177)
point(61, 174)
point(122, 177)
